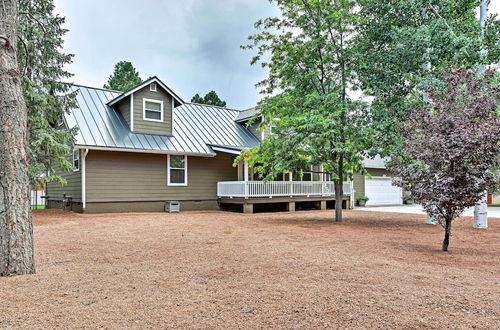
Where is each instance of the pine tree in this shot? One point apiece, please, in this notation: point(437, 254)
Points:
point(124, 76)
point(211, 98)
point(47, 96)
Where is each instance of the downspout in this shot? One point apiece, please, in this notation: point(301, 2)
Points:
point(84, 197)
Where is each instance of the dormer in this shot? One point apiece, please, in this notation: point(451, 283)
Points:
point(147, 107)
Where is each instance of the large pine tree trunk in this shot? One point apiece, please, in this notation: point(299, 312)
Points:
point(16, 227)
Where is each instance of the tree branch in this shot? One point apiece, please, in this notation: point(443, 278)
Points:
point(33, 18)
point(434, 10)
point(7, 41)
point(27, 56)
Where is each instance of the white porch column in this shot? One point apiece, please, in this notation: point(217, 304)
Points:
point(245, 178)
point(245, 172)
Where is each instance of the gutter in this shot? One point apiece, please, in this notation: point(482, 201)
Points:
point(84, 192)
point(144, 151)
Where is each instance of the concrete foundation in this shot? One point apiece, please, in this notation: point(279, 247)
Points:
point(248, 208)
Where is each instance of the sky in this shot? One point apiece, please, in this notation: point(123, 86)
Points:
point(191, 45)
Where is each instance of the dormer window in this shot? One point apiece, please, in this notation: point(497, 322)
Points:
point(152, 110)
point(152, 87)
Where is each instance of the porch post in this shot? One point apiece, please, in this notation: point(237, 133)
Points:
point(245, 178)
point(245, 172)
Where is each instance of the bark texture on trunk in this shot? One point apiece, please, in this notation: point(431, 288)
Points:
point(338, 200)
point(16, 227)
point(339, 190)
point(447, 233)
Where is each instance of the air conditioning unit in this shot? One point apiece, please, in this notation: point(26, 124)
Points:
point(172, 206)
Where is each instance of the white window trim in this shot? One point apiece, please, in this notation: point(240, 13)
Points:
point(185, 172)
point(151, 89)
point(144, 100)
point(79, 160)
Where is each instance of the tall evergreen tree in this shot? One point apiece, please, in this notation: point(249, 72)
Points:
point(211, 98)
point(47, 96)
point(306, 94)
point(124, 76)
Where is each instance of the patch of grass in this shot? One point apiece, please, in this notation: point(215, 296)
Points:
point(38, 207)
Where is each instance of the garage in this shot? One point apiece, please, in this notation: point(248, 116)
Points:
point(380, 191)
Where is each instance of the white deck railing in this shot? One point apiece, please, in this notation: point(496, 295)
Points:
point(251, 189)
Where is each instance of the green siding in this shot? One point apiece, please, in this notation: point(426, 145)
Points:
point(152, 127)
point(253, 128)
point(119, 176)
point(72, 189)
point(124, 107)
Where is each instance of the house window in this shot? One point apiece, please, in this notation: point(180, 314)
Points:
point(152, 110)
point(76, 160)
point(152, 87)
point(177, 170)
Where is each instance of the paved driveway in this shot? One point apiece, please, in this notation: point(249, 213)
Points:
point(493, 211)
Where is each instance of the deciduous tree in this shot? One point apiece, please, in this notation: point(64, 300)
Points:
point(450, 146)
point(306, 94)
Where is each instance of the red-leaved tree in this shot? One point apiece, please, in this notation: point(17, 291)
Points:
point(452, 146)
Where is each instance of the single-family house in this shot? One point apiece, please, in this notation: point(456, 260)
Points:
point(138, 149)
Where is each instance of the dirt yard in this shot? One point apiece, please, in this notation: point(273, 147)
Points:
point(273, 270)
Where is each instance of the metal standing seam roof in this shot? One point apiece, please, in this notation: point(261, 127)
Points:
point(247, 114)
point(196, 127)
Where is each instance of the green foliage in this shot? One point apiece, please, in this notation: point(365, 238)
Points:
point(403, 45)
point(124, 77)
point(47, 97)
point(211, 98)
point(311, 64)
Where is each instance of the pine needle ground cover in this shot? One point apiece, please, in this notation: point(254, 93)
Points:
point(273, 270)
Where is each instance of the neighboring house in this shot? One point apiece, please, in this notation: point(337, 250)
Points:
point(137, 149)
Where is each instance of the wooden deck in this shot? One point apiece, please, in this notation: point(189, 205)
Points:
point(248, 203)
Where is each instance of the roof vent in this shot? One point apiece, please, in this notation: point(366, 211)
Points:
point(152, 87)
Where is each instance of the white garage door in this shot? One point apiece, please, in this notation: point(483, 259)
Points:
point(380, 191)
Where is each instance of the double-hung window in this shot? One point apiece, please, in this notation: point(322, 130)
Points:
point(177, 170)
point(76, 160)
point(152, 110)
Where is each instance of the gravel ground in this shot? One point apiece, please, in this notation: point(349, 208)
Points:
point(273, 270)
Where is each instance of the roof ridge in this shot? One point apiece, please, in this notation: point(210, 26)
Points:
point(102, 89)
point(213, 106)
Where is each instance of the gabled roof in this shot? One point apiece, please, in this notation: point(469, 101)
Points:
point(143, 84)
point(196, 128)
point(247, 114)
